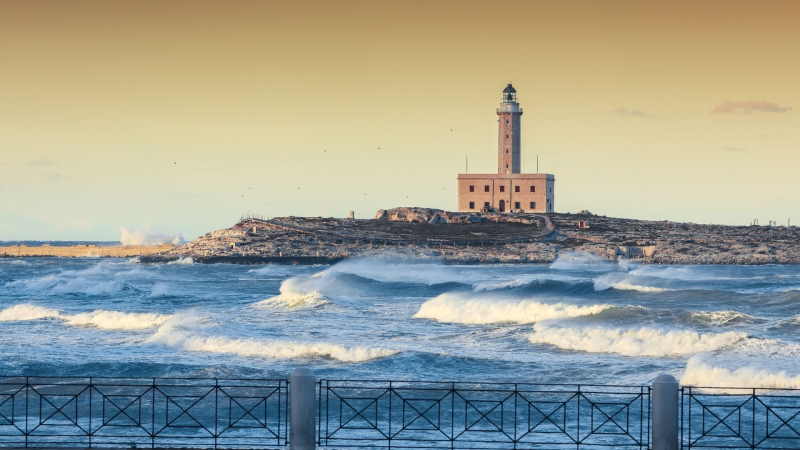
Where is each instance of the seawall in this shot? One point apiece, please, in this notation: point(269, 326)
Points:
point(83, 251)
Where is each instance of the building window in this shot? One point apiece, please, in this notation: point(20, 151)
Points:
point(486, 205)
point(486, 188)
point(506, 136)
point(533, 205)
point(516, 188)
point(472, 188)
point(533, 188)
point(517, 205)
point(471, 205)
point(503, 188)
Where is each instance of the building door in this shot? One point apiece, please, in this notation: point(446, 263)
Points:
point(502, 205)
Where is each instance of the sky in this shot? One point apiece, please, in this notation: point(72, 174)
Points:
point(182, 116)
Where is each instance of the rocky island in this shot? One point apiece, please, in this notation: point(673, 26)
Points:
point(487, 238)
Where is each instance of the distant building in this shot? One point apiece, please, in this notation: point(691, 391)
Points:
point(508, 190)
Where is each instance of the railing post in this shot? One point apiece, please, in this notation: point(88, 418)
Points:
point(665, 413)
point(303, 409)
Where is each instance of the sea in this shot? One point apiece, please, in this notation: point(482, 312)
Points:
point(581, 319)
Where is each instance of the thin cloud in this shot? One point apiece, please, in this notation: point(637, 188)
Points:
point(626, 112)
point(749, 106)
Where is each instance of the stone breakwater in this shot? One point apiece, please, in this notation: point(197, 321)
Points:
point(487, 238)
point(83, 251)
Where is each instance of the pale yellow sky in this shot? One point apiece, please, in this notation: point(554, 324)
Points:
point(181, 116)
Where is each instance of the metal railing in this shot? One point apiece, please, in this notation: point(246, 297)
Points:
point(143, 412)
point(386, 414)
point(269, 413)
point(740, 418)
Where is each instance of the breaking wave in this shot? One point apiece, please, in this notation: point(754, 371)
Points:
point(621, 281)
point(533, 280)
point(175, 334)
point(116, 320)
point(679, 273)
point(721, 318)
point(138, 237)
point(469, 309)
point(775, 372)
point(26, 311)
point(297, 293)
point(103, 319)
point(582, 261)
point(633, 341)
point(183, 260)
point(105, 278)
point(397, 268)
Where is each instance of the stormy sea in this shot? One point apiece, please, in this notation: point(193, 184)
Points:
point(579, 320)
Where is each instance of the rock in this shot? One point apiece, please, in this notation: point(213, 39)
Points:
point(492, 237)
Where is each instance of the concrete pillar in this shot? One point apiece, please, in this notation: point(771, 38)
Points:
point(303, 410)
point(665, 413)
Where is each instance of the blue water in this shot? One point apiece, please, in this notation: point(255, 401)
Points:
point(580, 319)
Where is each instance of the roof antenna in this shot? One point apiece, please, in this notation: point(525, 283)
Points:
point(537, 163)
point(466, 163)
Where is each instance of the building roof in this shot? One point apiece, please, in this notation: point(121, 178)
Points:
point(509, 88)
point(506, 176)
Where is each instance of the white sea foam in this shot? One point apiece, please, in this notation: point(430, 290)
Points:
point(104, 278)
point(622, 281)
point(738, 371)
point(66, 284)
point(116, 320)
point(298, 293)
point(679, 273)
point(274, 349)
point(582, 261)
point(396, 268)
point(26, 311)
point(624, 286)
point(632, 341)
point(184, 260)
point(525, 280)
point(471, 309)
point(140, 237)
point(721, 317)
point(273, 270)
point(176, 333)
point(293, 301)
point(107, 320)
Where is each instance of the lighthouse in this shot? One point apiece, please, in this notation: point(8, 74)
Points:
point(509, 190)
point(509, 116)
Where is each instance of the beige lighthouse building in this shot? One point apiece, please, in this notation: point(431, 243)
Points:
point(508, 190)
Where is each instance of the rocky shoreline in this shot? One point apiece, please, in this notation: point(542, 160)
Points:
point(471, 238)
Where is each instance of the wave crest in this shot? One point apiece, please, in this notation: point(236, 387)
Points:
point(621, 281)
point(26, 311)
point(104, 278)
point(103, 319)
point(582, 261)
point(633, 341)
point(116, 320)
point(296, 293)
point(462, 308)
point(753, 372)
point(175, 333)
